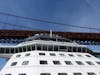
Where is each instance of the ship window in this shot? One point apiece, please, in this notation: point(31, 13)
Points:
point(79, 55)
point(69, 49)
point(7, 50)
point(79, 49)
point(43, 62)
point(83, 49)
point(91, 73)
point(2, 50)
point(45, 74)
point(77, 73)
point(41, 53)
point(45, 47)
point(90, 63)
point(52, 54)
point(62, 73)
point(74, 49)
point(55, 48)
point(61, 54)
point(68, 62)
point(27, 54)
point(88, 55)
point(16, 50)
point(20, 49)
point(50, 48)
point(7, 74)
point(28, 48)
point(12, 50)
point(98, 62)
point(22, 74)
point(38, 47)
point(62, 47)
point(79, 63)
point(25, 62)
point(24, 49)
point(13, 64)
point(56, 62)
point(33, 47)
point(71, 55)
point(18, 55)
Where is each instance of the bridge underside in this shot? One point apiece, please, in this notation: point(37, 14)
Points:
point(16, 36)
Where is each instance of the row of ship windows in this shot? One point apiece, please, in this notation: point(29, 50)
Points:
point(77, 73)
point(56, 62)
point(44, 48)
point(53, 54)
point(18, 74)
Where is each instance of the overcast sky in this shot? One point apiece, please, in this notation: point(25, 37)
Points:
point(74, 12)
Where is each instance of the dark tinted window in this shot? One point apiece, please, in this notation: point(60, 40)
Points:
point(61, 54)
point(79, 55)
point(22, 74)
point(52, 54)
point(62, 73)
point(56, 62)
point(69, 49)
point(90, 63)
point(83, 49)
point(12, 50)
point(20, 49)
point(28, 48)
point(16, 50)
point(43, 62)
point(74, 49)
point(88, 55)
point(13, 64)
point(71, 55)
point(25, 62)
point(77, 73)
point(62, 47)
point(45, 47)
point(39, 47)
point(18, 55)
point(7, 50)
point(91, 73)
point(27, 54)
point(2, 50)
point(79, 63)
point(24, 48)
point(55, 48)
point(7, 74)
point(33, 47)
point(79, 49)
point(50, 48)
point(41, 53)
point(45, 74)
point(98, 62)
point(68, 62)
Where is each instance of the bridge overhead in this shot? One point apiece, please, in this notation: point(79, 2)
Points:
point(81, 38)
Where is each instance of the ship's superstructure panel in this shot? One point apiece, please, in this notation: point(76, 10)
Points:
point(37, 62)
point(53, 55)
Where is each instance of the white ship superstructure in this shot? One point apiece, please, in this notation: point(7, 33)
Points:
point(49, 55)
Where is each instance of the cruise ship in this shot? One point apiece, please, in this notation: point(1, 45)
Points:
point(49, 54)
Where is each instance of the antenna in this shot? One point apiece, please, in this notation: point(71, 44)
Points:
point(50, 33)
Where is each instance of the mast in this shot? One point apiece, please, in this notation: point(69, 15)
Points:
point(50, 33)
